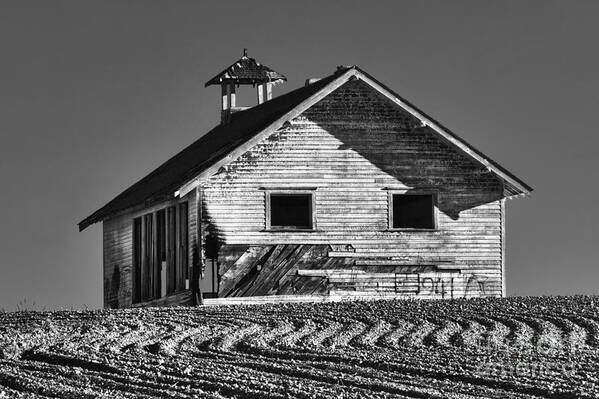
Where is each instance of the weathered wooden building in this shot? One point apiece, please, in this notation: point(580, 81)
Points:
point(338, 188)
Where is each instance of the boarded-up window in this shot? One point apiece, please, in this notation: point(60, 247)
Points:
point(160, 251)
point(291, 211)
point(412, 211)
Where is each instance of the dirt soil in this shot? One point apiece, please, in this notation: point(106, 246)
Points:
point(479, 348)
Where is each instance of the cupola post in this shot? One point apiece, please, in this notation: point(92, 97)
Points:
point(264, 92)
point(228, 90)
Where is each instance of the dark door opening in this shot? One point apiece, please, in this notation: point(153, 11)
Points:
point(209, 280)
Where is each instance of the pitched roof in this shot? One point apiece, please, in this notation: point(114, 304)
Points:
point(216, 147)
point(211, 147)
point(247, 70)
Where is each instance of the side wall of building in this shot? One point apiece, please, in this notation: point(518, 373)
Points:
point(352, 149)
point(118, 256)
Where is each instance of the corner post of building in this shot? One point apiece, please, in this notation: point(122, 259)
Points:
point(503, 280)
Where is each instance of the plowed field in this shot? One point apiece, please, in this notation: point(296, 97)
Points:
point(492, 348)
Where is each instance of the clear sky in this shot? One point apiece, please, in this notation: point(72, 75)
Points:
point(96, 94)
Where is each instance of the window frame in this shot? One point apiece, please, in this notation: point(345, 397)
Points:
point(433, 193)
point(289, 191)
point(153, 237)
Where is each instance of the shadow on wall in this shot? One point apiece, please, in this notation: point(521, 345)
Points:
point(397, 144)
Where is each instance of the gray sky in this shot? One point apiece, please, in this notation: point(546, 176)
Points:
point(94, 95)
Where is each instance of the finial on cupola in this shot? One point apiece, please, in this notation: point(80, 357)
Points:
point(245, 71)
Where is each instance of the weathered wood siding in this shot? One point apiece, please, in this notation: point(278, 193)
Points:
point(118, 261)
point(118, 256)
point(352, 147)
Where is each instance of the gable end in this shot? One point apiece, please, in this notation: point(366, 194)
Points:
point(513, 186)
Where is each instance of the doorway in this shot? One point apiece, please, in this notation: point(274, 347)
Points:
point(209, 280)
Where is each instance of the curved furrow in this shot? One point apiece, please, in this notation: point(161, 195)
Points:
point(392, 338)
point(291, 339)
point(143, 385)
point(363, 380)
point(234, 358)
point(521, 333)
point(506, 371)
point(591, 327)
point(320, 370)
point(549, 339)
point(418, 379)
point(33, 377)
point(134, 338)
point(216, 333)
point(473, 334)
point(154, 377)
point(345, 335)
point(19, 342)
point(265, 339)
point(574, 335)
point(201, 341)
point(267, 379)
point(443, 334)
point(497, 333)
point(371, 349)
point(371, 334)
point(398, 365)
point(228, 342)
point(419, 334)
point(34, 385)
point(11, 344)
point(316, 339)
point(170, 344)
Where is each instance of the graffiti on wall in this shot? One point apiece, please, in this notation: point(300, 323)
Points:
point(429, 284)
point(439, 284)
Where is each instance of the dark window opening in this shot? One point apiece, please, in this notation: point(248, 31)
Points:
point(210, 278)
point(160, 253)
point(137, 256)
point(160, 265)
point(183, 255)
point(413, 211)
point(291, 211)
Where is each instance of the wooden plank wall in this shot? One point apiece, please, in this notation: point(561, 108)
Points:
point(353, 146)
point(118, 256)
point(306, 269)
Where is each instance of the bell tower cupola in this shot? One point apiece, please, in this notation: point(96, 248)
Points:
point(245, 71)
